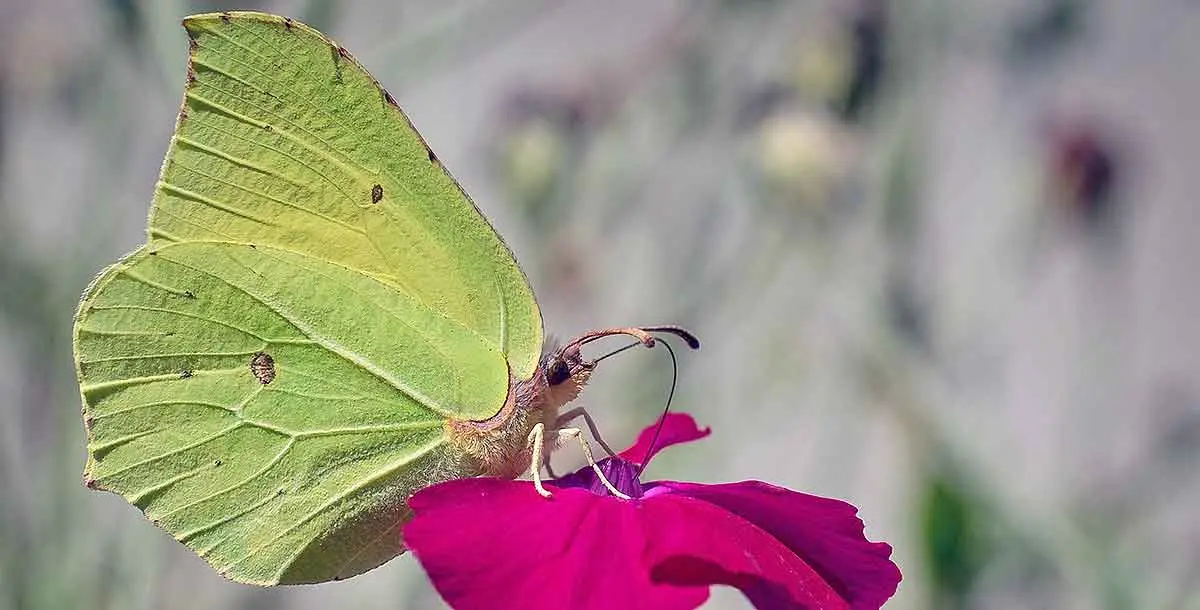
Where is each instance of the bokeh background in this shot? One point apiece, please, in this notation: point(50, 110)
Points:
point(942, 254)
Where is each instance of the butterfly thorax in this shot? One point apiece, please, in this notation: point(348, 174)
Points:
point(499, 446)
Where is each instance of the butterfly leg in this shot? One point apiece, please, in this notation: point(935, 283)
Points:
point(578, 412)
point(537, 441)
point(587, 454)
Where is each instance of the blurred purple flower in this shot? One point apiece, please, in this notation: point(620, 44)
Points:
point(491, 543)
point(1084, 167)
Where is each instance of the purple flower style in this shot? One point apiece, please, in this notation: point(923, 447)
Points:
point(491, 543)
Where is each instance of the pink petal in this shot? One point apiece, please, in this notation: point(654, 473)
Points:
point(676, 428)
point(487, 543)
point(697, 543)
point(827, 534)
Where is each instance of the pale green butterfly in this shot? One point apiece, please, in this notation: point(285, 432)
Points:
point(320, 324)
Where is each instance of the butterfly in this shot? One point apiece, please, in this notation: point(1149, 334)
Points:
point(320, 323)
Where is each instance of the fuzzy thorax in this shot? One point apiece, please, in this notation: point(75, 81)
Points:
point(499, 446)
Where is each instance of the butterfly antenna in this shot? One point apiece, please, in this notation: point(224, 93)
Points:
point(642, 336)
point(662, 419)
point(678, 331)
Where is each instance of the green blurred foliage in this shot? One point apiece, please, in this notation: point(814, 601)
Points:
point(956, 548)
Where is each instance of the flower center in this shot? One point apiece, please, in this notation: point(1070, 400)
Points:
point(622, 474)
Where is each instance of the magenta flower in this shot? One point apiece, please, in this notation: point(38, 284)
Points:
point(491, 543)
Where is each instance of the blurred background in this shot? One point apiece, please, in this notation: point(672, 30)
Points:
point(942, 255)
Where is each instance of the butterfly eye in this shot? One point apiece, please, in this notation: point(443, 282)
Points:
point(558, 373)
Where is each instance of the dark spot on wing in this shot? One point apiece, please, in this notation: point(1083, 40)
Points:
point(376, 193)
point(263, 367)
point(188, 294)
point(154, 253)
point(216, 462)
point(288, 22)
point(185, 373)
point(252, 246)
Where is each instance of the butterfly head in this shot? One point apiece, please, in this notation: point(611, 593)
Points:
point(566, 371)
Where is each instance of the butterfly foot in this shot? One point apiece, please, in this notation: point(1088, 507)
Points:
point(536, 441)
point(587, 454)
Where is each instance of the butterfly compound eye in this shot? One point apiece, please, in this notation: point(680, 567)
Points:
point(558, 372)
